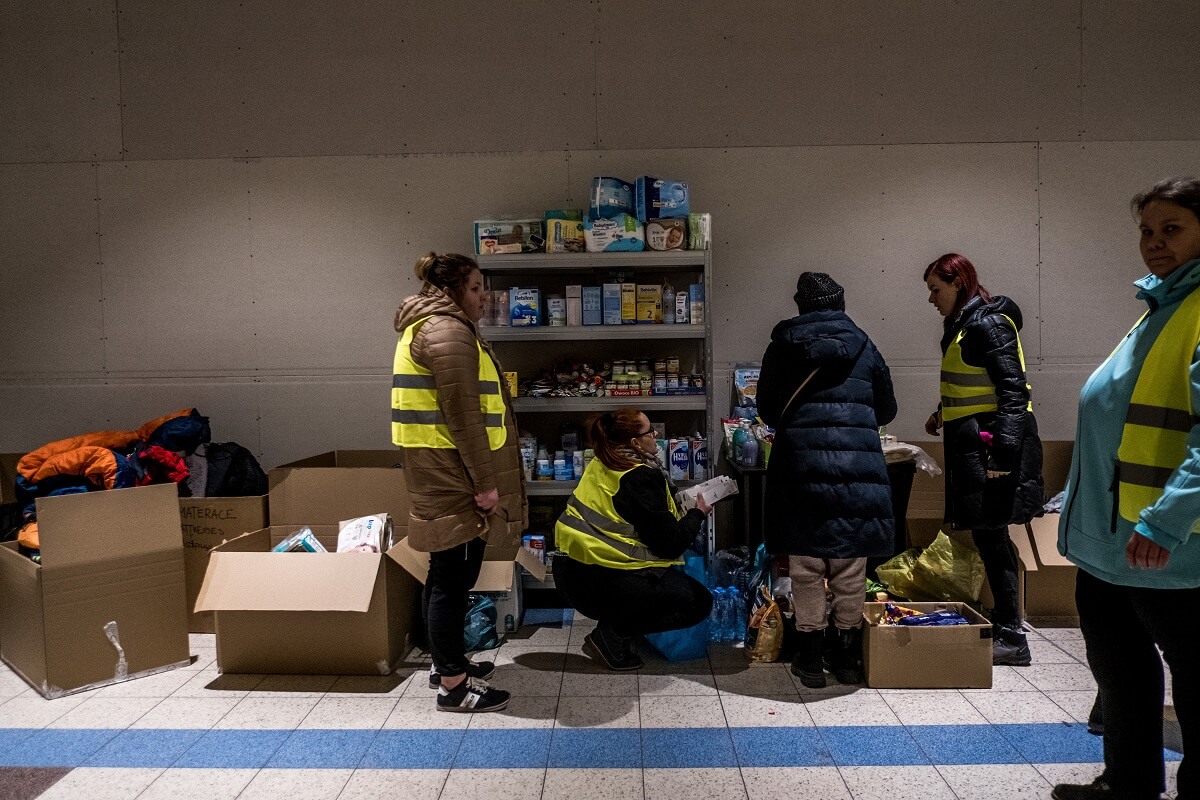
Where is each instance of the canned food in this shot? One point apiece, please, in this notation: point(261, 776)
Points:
point(618, 368)
point(672, 380)
point(660, 383)
point(660, 365)
point(673, 364)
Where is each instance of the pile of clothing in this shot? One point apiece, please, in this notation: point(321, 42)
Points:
point(164, 450)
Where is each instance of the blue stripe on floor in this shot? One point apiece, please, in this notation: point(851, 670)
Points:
point(563, 748)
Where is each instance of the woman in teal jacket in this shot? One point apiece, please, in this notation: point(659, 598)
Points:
point(1132, 504)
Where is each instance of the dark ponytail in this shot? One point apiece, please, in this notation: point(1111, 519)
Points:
point(609, 434)
point(449, 272)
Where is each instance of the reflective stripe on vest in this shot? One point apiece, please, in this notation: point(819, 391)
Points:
point(417, 419)
point(967, 389)
point(1160, 415)
point(592, 532)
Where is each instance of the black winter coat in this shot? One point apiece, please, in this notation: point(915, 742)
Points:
point(974, 501)
point(828, 494)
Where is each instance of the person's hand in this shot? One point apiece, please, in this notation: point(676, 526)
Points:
point(995, 473)
point(487, 501)
point(703, 504)
point(933, 424)
point(1142, 553)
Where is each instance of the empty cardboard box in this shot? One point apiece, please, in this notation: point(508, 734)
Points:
point(206, 523)
point(1050, 581)
point(108, 602)
point(307, 613)
point(933, 657)
point(339, 485)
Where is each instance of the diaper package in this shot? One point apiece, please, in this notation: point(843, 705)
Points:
point(666, 234)
point(372, 534)
point(714, 489)
point(660, 199)
point(608, 235)
point(610, 197)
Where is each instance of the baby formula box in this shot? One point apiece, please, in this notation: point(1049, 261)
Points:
point(699, 458)
point(679, 452)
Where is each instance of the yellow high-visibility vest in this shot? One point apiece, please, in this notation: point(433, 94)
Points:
point(592, 532)
point(967, 389)
point(417, 419)
point(1160, 415)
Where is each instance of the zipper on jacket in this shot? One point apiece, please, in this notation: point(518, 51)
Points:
point(1115, 490)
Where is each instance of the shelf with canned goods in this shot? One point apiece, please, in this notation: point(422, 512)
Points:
point(586, 262)
point(525, 405)
point(571, 333)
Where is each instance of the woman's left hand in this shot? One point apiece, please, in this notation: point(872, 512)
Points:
point(487, 501)
point(1141, 553)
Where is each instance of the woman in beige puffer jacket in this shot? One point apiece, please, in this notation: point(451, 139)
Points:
point(463, 494)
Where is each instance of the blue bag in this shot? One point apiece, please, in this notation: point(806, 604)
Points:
point(479, 631)
point(687, 643)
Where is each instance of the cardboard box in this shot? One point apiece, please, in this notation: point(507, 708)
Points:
point(592, 304)
point(936, 657)
point(1049, 578)
point(108, 602)
point(649, 303)
point(500, 577)
point(206, 523)
point(307, 613)
point(337, 485)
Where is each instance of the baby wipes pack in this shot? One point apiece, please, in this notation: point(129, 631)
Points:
point(615, 234)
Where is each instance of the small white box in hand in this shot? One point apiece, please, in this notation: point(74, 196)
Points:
point(714, 489)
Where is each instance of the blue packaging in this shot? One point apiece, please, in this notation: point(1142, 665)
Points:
point(657, 198)
point(593, 305)
point(679, 452)
point(612, 304)
point(610, 197)
point(524, 307)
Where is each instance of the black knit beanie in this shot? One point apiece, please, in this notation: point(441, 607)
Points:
point(816, 291)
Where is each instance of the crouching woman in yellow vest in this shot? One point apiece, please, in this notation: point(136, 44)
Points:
point(620, 535)
point(462, 466)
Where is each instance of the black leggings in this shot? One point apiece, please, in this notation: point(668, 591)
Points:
point(1000, 563)
point(633, 601)
point(452, 573)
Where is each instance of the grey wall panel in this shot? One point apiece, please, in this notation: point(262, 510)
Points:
point(1140, 70)
point(37, 413)
point(179, 279)
point(51, 315)
point(307, 417)
point(1090, 243)
point(60, 90)
point(792, 73)
point(335, 241)
point(310, 78)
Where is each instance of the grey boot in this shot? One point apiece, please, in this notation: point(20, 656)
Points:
point(1009, 647)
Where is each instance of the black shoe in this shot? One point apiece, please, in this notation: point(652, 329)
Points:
point(1096, 790)
point(475, 669)
point(610, 650)
point(847, 662)
point(1095, 720)
point(1010, 648)
point(807, 665)
point(472, 696)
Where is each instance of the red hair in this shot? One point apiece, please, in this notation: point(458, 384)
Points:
point(611, 431)
point(951, 267)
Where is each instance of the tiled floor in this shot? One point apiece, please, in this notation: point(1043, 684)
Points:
point(718, 728)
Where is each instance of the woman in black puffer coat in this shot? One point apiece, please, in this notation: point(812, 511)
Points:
point(828, 499)
point(993, 453)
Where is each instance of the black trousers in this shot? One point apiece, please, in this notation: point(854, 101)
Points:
point(633, 601)
point(1000, 563)
point(1121, 627)
point(452, 573)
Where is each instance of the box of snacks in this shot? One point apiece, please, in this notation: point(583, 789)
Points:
point(926, 646)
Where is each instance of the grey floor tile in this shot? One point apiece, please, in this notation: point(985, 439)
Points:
point(409, 784)
point(296, 784)
point(996, 781)
point(896, 783)
point(491, 784)
point(673, 784)
point(198, 784)
point(795, 783)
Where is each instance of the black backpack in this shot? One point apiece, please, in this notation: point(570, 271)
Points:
point(233, 471)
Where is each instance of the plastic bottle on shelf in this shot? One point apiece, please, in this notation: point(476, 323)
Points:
point(715, 617)
point(740, 618)
point(739, 443)
point(668, 317)
point(727, 615)
point(749, 447)
point(542, 453)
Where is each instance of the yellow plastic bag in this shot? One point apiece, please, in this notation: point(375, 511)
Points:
point(765, 633)
point(946, 570)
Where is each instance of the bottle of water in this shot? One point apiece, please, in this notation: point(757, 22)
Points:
point(740, 618)
point(739, 443)
point(714, 618)
point(749, 449)
point(727, 617)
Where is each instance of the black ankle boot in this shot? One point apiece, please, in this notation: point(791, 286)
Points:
point(807, 665)
point(847, 665)
point(1010, 647)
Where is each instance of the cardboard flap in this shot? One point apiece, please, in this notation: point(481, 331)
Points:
point(288, 581)
point(258, 541)
point(77, 529)
point(494, 576)
point(1019, 535)
point(531, 562)
point(339, 486)
point(1044, 532)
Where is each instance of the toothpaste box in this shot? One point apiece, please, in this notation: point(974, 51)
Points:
point(509, 236)
point(593, 305)
point(658, 199)
point(612, 303)
point(524, 307)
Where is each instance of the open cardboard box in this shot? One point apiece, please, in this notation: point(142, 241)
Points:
point(934, 657)
point(307, 613)
point(108, 602)
point(207, 522)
